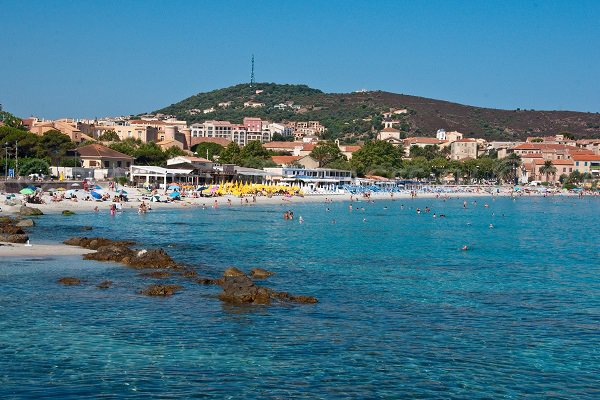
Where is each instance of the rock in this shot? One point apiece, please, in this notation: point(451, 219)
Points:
point(188, 273)
point(260, 273)
point(104, 284)
point(25, 223)
point(69, 281)
point(68, 212)
point(156, 274)
point(241, 290)
point(155, 258)
point(95, 243)
point(161, 290)
point(30, 211)
point(86, 228)
point(110, 253)
point(233, 271)
point(209, 281)
point(16, 238)
point(11, 230)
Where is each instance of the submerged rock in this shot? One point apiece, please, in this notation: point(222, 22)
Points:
point(161, 290)
point(86, 228)
point(68, 212)
point(28, 211)
point(104, 284)
point(260, 273)
point(241, 290)
point(110, 253)
point(209, 281)
point(156, 274)
point(67, 280)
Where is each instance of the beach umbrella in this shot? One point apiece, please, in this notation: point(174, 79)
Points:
point(96, 195)
point(30, 187)
point(61, 189)
point(174, 195)
point(98, 187)
point(173, 187)
point(27, 191)
point(51, 190)
point(75, 185)
point(123, 192)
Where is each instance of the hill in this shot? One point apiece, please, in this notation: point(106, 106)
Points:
point(358, 116)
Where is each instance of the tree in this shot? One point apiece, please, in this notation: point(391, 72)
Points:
point(109, 136)
point(429, 152)
point(548, 169)
point(149, 154)
point(506, 169)
point(208, 149)
point(254, 149)
point(231, 154)
point(11, 121)
point(377, 154)
point(34, 166)
point(326, 153)
point(174, 151)
point(53, 145)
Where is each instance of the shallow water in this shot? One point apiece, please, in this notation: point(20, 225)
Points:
point(403, 312)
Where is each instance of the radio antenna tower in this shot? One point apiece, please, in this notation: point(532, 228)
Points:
point(252, 73)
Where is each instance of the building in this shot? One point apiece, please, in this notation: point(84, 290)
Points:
point(310, 179)
point(422, 142)
point(65, 126)
point(99, 156)
point(146, 133)
point(347, 150)
point(563, 167)
point(449, 137)
point(289, 161)
point(463, 149)
point(389, 133)
point(281, 129)
point(589, 144)
point(253, 104)
point(197, 162)
point(587, 163)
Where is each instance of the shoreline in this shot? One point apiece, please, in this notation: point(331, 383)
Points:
point(82, 206)
point(19, 250)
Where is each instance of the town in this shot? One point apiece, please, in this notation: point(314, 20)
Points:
point(259, 151)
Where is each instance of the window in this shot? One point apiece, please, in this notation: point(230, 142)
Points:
point(106, 164)
point(128, 164)
point(577, 163)
point(119, 164)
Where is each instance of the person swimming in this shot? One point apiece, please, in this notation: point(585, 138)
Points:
point(464, 248)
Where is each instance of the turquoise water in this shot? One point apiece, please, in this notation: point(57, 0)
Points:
point(403, 312)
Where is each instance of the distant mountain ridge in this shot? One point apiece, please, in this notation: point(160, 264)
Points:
point(358, 116)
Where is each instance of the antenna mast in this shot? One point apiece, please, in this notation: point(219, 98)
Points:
point(252, 73)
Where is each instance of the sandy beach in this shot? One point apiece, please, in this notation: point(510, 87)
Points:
point(39, 250)
point(135, 199)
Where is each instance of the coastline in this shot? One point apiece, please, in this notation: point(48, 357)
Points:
point(40, 250)
point(82, 206)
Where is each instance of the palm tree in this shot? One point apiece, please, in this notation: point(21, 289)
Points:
point(548, 169)
point(506, 169)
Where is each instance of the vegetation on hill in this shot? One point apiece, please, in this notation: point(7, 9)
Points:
point(354, 117)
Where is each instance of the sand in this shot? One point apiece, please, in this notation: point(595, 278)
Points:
point(40, 250)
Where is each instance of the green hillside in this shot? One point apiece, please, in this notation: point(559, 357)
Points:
point(357, 116)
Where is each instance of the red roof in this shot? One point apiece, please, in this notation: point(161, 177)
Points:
point(544, 146)
point(283, 160)
point(96, 150)
point(554, 162)
point(586, 157)
point(352, 149)
point(308, 147)
point(532, 155)
point(466, 140)
point(388, 129)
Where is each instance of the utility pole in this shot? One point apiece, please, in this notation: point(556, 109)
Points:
point(16, 159)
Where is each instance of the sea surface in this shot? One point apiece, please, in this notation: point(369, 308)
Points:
point(403, 312)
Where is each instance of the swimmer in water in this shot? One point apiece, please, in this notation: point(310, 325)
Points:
point(300, 219)
point(491, 226)
point(464, 248)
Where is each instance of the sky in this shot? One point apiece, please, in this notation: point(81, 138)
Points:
point(83, 59)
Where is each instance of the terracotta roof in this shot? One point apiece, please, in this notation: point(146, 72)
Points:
point(532, 155)
point(585, 157)
point(142, 122)
point(427, 140)
point(351, 149)
point(554, 162)
point(281, 160)
point(544, 146)
point(388, 129)
point(282, 145)
point(96, 150)
point(308, 147)
point(468, 140)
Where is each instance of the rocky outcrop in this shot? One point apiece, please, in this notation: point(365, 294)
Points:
point(25, 223)
point(111, 253)
point(155, 258)
point(16, 238)
point(69, 281)
point(260, 273)
point(240, 289)
point(161, 290)
point(30, 211)
point(68, 212)
point(95, 243)
point(233, 271)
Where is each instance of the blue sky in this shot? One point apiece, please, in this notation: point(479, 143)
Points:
point(97, 58)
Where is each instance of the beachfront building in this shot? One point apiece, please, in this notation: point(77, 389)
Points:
point(144, 133)
point(65, 126)
point(422, 142)
point(196, 162)
point(463, 149)
point(563, 167)
point(98, 156)
point(587, 163)
point(319, 180)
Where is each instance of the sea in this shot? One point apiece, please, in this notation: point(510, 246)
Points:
point(403, 311)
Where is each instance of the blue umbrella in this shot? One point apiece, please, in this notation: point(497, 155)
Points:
point(97, 187)
point(174, 194)
point(96, 195)
point(173, 187)
point(123, 192)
